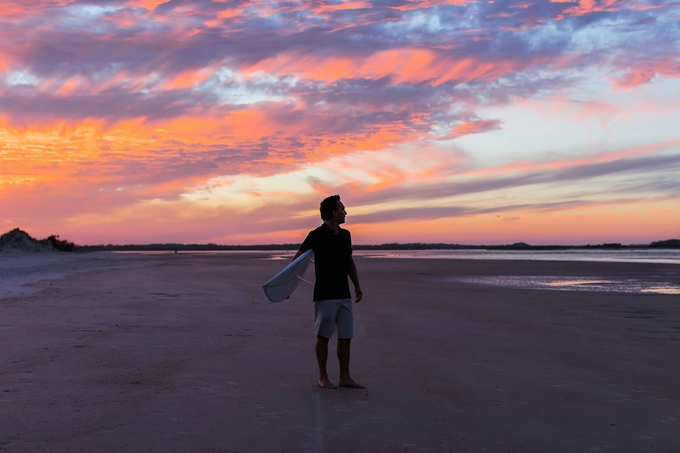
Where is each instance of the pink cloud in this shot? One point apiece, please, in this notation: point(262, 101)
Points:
point(644, 71)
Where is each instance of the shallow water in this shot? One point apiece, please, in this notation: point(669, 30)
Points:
point(628, 285)
point(665, 256)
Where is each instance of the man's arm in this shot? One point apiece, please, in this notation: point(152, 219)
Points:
point(352, 271)
point(307, 244)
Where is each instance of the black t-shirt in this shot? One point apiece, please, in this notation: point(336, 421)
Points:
point(331, 261)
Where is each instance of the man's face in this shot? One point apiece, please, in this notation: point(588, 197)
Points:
point(340, 213)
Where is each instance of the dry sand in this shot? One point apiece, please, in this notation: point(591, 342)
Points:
point(182, 353)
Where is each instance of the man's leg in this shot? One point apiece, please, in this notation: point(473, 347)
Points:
point(324, 311)
point(322, 358)
point(343, 357)
point(345, 322)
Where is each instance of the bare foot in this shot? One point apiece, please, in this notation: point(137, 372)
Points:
point(349, 382)
point(325, 383)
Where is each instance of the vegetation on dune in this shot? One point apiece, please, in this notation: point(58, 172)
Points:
point(19, 240)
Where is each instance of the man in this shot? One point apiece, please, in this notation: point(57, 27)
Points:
point(333, 262)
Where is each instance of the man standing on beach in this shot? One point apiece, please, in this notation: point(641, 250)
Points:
point(333, 262)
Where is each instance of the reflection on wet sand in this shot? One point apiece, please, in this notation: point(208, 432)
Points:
point(577, 284)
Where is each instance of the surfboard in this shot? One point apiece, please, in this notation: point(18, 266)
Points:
point(284, 283)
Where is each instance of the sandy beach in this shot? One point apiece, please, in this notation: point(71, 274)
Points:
point(182, 353)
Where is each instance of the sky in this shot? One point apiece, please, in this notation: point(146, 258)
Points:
point(469, 122)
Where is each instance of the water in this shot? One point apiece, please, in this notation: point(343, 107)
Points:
point(561, 283)
point(666, 284)
point(665, 256)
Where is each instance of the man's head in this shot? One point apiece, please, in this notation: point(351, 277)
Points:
point(332, 208)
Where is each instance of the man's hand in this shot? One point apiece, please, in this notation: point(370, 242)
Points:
point(352, 271)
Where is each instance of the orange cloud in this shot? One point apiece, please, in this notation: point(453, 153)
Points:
point(424, 4)
point(189, 78)
point(401, 65)
point(70, 86)
point(332, 7)
point(93, 152)
point(148, 4)
point(473, 127)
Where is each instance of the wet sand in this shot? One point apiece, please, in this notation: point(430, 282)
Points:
point(182, 353)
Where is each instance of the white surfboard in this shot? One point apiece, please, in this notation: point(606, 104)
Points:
point(284, 283)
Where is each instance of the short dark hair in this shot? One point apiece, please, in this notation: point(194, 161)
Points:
point(328, 205)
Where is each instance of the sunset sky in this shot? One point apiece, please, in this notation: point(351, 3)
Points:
point(472, 122)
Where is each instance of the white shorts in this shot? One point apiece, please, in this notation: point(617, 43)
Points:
point(330, 312)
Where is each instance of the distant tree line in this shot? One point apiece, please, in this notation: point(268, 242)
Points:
point(181, 247)
point(671, 243)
